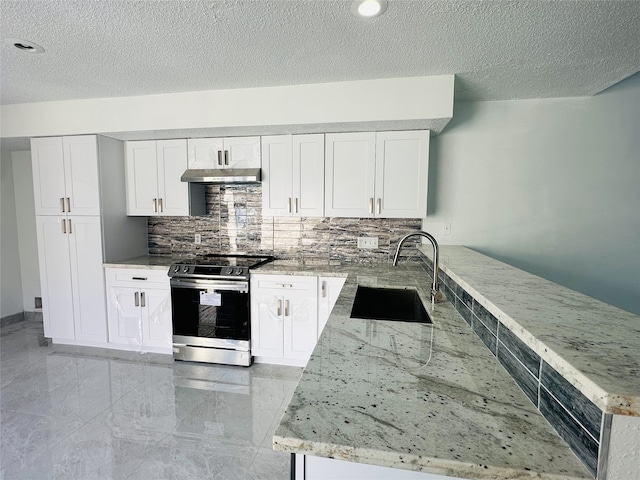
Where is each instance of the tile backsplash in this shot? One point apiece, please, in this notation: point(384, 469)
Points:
point(234, 224)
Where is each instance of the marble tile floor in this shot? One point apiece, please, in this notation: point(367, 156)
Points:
point(82, 413)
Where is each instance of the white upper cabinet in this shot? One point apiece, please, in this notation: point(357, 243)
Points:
point(65, 175)
point(293, 175)
point(233, 152)
point(382, 174)
point(402, 171)
point(350, 174)
point(153, 171)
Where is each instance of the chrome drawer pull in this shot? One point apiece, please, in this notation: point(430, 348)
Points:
point(137, 299)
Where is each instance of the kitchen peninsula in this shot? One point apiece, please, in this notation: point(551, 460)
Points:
point(434, 399)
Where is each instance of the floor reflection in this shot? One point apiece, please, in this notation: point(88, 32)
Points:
point(80, 413)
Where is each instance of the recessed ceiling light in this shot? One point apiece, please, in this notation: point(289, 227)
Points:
point(24, 45)
point(369, 8)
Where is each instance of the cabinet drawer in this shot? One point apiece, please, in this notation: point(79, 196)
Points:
point(284, 283)
point(137, 277)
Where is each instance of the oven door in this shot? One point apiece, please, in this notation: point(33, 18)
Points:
point(210, 313)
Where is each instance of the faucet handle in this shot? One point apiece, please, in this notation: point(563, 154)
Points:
point(437, 296)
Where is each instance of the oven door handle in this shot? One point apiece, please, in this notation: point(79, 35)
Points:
point(242, 287)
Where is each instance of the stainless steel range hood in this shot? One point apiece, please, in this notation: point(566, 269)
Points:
point(231, 175)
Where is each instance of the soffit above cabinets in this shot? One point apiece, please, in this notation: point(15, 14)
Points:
point(409, 103)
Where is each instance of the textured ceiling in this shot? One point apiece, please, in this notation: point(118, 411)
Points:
point(497, 49)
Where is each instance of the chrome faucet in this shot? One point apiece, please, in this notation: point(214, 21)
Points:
point(436, 294)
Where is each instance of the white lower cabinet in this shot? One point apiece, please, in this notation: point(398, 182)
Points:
point(284, 318)
point(71, 276)
point(328, 292)
point(309, 467)
point(139, 309)
point(288, 314)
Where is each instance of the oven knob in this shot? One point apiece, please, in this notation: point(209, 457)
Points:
point(239, 271)
point(176, 268)
point(185, 269)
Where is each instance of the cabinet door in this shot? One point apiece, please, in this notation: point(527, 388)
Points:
point(81, 175)
point(402, 169)
point(301, 319)
point(47, 160)
point(125, 327)
point(142, 178)
point(55, 277)
point(349, 174)
point(329, 289)
point(156, 317)
point(173, 193)
point(277, 170)
point(87, 278)
point(266, 324)
point(242, 152)
point(308, 175)
point(203, 153)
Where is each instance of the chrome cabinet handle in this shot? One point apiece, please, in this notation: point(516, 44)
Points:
point(143, 300)
point(137, 299)
point(64, 226)
point(226, 157)
point(296, 205)
point(289, 205)
point(62, 204)
point(160, 205)
point(220, 157)
point(155, 205)
point(286, 308)
point(279, 307)
point(285, 285)
point(371, 206)
point(139, 278)
point(324, 289)
point(378, 205)
point(70, 231)
point(68, 205)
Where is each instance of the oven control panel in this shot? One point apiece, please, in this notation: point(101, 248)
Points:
point(207, 271)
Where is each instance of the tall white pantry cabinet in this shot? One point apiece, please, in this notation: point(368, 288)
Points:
point(81, 223)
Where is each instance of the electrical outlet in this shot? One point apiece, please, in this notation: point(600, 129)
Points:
point(446, 228)
point(368, 242)
point(198, 239)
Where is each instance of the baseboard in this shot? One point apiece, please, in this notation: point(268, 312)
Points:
point(11, 319)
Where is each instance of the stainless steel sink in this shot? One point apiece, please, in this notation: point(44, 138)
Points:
point(395, 304)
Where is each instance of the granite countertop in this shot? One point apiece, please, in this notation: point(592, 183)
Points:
point(151, 262)
point(413, 396)
point(593, 345)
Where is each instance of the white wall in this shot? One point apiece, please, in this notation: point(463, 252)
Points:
point(10, 280)
point(26, 225)
point(550, 186)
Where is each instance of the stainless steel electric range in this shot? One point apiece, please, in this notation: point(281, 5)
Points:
point(210, 308)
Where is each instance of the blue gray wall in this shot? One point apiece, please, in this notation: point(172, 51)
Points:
point(549, 186)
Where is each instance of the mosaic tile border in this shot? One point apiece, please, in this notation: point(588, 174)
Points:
point(574, 417)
